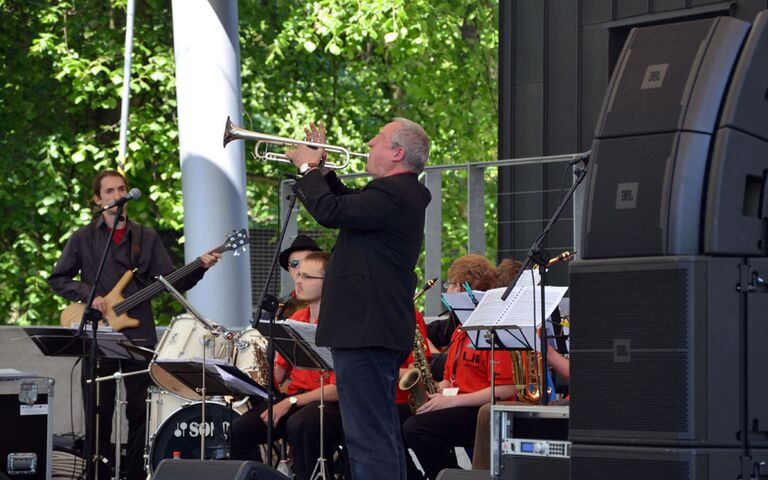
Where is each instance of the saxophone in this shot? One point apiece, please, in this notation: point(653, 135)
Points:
point(418, 380)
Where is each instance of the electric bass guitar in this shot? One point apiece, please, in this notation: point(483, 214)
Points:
point(116, 315)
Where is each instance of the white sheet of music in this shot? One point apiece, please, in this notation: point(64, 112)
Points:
point(461, 304)
point(242, 386)
point(306, 331)
point(522, 308)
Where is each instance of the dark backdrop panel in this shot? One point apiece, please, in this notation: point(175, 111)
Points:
point(553, 41)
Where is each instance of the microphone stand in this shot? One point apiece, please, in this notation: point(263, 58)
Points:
point(91, 315)
point(537, 255)
point(271, 335)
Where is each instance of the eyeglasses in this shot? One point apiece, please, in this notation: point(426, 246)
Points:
point(447, 285)
point(294, 263)
point(305, 276)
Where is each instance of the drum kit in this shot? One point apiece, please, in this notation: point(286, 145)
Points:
point(177, 418)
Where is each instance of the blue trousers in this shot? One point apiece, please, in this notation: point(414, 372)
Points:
point(366, 380)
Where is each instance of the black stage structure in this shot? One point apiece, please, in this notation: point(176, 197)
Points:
point(670, 295)
point(556, 58)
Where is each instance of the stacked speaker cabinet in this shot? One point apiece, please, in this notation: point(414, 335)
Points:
point(667, 379)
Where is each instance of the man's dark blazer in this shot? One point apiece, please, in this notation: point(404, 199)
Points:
point(367, 298)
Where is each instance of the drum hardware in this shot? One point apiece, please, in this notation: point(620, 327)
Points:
point(117, 377)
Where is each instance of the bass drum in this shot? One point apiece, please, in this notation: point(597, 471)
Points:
point(160, 406)
point(181, 432)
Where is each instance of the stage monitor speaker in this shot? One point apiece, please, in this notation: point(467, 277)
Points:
point(461, 474)
point(737, 196)
point(519, 467)
point(649, 160)
point(655, 351)
point(170, 469)
point(600, 462)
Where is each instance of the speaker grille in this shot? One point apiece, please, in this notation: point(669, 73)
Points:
point(630, 352)
point(628, 226)
point(654, 83)
point(586, 468)
point(215, 470)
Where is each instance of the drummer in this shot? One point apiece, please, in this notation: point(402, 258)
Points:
point(296, 415)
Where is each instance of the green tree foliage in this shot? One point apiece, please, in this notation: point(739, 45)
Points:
point(352, 64)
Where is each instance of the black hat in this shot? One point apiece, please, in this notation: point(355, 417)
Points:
point(302, 242)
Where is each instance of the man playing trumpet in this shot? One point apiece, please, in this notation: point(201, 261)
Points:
point(367, 312)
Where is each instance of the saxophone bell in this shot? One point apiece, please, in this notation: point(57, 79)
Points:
point(413, 383)
point(417, 380)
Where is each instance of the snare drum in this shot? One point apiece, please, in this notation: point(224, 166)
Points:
point(186, 339)
point(181, 432)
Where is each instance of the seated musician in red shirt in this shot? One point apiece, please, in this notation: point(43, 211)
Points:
point(449, 418)
point(296, 416)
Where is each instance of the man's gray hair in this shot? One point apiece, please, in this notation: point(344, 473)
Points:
point(414, 140)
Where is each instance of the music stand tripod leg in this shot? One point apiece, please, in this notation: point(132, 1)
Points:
point(320, 470)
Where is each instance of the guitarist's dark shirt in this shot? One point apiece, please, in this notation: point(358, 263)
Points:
point(140, 248)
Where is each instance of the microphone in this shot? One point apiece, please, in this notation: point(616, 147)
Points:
point(563, 257)
point(430, 283)
point(132, 195)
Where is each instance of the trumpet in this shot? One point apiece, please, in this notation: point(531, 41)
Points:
point(263, 141)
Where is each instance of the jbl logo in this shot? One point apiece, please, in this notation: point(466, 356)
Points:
point(626, 195)
point(621, 350)
point(654, 76)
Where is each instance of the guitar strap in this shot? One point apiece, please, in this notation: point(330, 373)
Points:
point(134, 246)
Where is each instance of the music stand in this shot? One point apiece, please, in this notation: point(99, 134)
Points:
point(299, 349)
point(221, 379)
point(58, 342)
point(211, 378)
point(61, 342)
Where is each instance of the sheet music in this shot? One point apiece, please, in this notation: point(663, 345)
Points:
point(238, 384)
point(306, 331)
point(461, 304)
point(529, 278)
point(521, 308)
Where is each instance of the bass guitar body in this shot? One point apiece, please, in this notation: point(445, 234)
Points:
point(74, 312)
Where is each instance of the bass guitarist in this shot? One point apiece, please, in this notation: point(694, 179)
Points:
point(138, 248)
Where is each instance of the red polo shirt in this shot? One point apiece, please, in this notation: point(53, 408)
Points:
point(470, 369)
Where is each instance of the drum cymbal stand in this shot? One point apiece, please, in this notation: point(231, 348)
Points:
point(119, 403)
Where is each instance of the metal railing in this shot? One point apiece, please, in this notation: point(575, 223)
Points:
point(432, 178)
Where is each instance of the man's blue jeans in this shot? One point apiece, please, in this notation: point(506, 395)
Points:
point(366, 381)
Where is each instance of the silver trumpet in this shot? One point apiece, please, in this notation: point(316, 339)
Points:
point(263, 141)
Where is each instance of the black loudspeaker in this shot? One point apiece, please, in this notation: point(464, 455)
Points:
point(600, 462)
point(170, 469)
point(461, 474)
point(655, 351)
point(528, 467)
point(737, 197)
point(649, 159)
point(757, 335)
